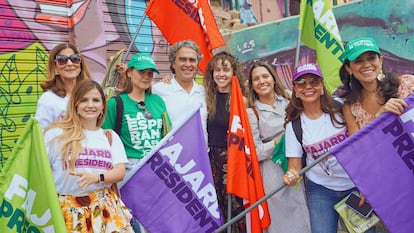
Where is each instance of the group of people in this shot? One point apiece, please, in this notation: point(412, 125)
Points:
point(92, 142)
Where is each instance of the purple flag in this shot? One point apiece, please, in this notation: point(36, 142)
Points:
point(173, 192)
point(380, 160)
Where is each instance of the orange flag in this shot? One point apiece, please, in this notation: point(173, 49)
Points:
point(243, 175)
point(187, 20)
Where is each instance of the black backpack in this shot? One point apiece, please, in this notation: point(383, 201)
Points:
point(119, 113)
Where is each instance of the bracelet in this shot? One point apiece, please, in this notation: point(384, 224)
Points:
point(101, 178)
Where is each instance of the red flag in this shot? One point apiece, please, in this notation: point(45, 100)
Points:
point(187, 20)
point(243, 175)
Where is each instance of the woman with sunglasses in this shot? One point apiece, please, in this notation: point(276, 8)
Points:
point(65, 67)
point(267, 100)
point(323, 127)
point(85, 162)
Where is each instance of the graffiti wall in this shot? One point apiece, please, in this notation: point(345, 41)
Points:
point(100, 28)
point(31, 28)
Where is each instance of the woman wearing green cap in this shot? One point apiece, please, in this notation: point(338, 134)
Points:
point(368, 89)
point(139, 123)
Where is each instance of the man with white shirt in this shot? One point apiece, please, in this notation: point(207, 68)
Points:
point(183, 93)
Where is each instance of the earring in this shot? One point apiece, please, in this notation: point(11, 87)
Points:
point(323, 92)
point(381, 76)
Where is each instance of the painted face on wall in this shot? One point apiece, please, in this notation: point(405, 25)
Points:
point(53, 16)
point(54, 13)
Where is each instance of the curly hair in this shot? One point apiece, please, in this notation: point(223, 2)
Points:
point(54, 81)
point(210, 85)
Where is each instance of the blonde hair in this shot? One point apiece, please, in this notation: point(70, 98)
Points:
point(70, 139)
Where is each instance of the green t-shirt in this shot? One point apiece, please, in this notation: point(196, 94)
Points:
point(138, 133)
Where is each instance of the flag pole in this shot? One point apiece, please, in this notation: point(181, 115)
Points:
point(116, 78)
point(134, 37)
point(229, 211)
point(267, 196)
point(298, 48)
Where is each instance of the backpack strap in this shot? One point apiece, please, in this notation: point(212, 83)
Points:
point(119, 113)
point(297, 129)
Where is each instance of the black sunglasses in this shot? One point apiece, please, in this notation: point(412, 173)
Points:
point(141, 106)
point(63, 59)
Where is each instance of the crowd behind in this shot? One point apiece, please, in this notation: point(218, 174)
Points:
point(92, 142)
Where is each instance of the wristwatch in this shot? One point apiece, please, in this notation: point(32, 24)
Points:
point(101, 178)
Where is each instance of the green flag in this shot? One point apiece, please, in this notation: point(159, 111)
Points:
point(29, 202)
point(320, 32)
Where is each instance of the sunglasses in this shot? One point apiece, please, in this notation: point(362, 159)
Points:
point(63, 59)
point(313, 82)
point(141, 106)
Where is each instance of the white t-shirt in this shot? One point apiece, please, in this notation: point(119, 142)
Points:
point(97, 156)
point(50, 108)
point(319, 136)
point(178, 101)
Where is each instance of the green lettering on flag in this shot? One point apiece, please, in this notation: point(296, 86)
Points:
point(320, 32)
point(29, 202)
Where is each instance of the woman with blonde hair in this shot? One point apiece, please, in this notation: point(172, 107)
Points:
point(85, 162)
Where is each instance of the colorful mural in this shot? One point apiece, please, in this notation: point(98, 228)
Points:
point(30, 28)
point(389, 22)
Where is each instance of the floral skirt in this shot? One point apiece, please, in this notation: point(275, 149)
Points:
point(101, 211)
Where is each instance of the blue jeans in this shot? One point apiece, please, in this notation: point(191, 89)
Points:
point(135, 225)
point(321, 201)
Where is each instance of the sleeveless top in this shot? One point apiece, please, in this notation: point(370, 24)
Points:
point(218, 125)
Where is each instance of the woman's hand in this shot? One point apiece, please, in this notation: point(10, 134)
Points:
point(121, 68)
point(394, 105)
point(291, 177)
point(363, 200)
point(166, 79)
point(86, 178)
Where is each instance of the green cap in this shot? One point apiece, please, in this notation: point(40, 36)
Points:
point(355, 48)
point(142, 61)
